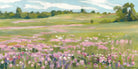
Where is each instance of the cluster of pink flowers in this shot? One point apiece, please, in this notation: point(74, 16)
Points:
point(66, 40)
point(70, 52)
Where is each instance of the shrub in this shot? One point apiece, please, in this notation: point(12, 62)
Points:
point(104, 13)
point(107, 21)
point(92, 21)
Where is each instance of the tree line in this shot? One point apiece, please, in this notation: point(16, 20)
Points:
point(32, 14)
point(125, 12)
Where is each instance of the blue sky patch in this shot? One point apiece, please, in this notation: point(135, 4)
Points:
point(75, 5)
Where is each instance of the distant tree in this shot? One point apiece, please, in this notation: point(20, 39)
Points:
point(44, 14)
point(65, 12)
point(24, 14)
point(18, 12)
point(70, 11)
point(28, 16)
point(1, 13)
point(53, 13)
point(119, 13)
point(32, 12)
point(126, 12)
point(58, 12)
point(32, 15)
point(11, 15)
point(109, 12)
point(6, 14)
point(38, 13)
point(104, 13)
point(131, 15)
point(83, 11)
point(93, 11)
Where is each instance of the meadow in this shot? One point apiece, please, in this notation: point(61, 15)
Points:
point(68, 41)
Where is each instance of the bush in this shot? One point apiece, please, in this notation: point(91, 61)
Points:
point(107, 21)
point(92, 21)
point(104, 13)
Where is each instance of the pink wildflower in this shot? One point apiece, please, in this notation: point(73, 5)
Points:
point(102, 47)
point(95, 65)
point(43, 67)
point(119, 64)
point(133, 63)
point(10, 65)
point(87, 43)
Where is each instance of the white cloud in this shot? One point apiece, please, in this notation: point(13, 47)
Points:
point(9, 1)
point(47, 5)
point(32, 6)
point(101, 3)
point(5, 6)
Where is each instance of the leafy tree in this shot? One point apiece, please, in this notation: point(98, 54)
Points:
point(6, 14)
point(104, 13)
point(53, 13)
point(38, 13)
point(1, 13)
point(109, 12)
point(67, 12)
point(32, 15)
point(44, 14)
point(70, 11)
point(31, 12)
point(28, 16)
point(18, 12)
point(83, 11)
point(24, 14)
point(125, 12)
point(58, 12)
point(93, 11)
point(11, 15)
point(119, 13)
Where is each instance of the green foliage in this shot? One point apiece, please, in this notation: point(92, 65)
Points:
point(44, 15)
point(92, 21)
point(33, 15)
point(67, 12)
point(30, 15)
point(24, 14)
point(109, 12)
point(98, 12)
point(11, 15)
point(18, 12)
point(53, 13)
point(83, 11)
point(107, 21)
point(6, 14)
point(93, 11)
point(104, 13)
point(126, 12)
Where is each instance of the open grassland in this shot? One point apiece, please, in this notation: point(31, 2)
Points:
point(69, 41)
point(57, 20)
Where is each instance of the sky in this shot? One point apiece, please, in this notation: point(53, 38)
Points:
point(75, 5)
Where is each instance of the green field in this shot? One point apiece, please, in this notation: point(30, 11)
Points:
point(124, 30)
